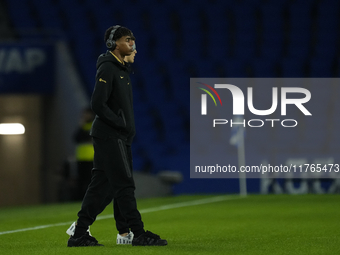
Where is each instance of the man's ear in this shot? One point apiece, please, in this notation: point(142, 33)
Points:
point(117, 44)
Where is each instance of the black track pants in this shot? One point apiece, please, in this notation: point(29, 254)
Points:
point(112, 178)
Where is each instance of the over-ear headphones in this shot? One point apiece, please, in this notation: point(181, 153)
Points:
point(110, 43)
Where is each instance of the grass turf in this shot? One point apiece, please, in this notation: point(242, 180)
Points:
point(281, 224)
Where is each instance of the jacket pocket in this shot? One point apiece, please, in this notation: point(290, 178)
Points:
point(121, 114)
point(99, 134)
point(122, 149)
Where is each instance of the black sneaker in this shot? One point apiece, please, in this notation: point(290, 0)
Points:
point(148, 239)
point(84, 240)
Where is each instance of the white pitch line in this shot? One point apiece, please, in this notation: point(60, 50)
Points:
point(152, 209)
point(37, 227)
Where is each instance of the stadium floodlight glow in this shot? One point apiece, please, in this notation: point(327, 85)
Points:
point(11, 129)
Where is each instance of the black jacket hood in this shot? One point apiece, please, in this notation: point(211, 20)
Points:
point(108, 57)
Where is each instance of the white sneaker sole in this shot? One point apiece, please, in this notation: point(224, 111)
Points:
point(125, 239)
point(71, 229)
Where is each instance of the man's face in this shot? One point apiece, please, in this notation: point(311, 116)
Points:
point(131, 57)
point(124, 45)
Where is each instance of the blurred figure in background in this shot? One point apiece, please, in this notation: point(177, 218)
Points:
point(84, 152)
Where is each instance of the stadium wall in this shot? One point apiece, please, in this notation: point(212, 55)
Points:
point(45, 95)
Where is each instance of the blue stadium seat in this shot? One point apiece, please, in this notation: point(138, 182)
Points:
point(98, 4)
point(327, 24)
point(160, 19)
point(235, 68)
point(157, 153)
point(273, 28)
point(169, 108)
point(328, 8)
point(293, 67)
point(190, 20)
point(180, 83)
point(300, 37)
point(138, 161)
point(174, 132)
point(133, 19)
point(272, 11)
point(192, 44)
point(273, 32)
point(254, 3)
point(206, 68)
point(165, 47)
point(48, 13)
point(146, 135)
point(217, 13)
point(218, 46)
point(271, 51)
point(321, 67)
point(244, 52)
point(326, 51)
point(154, 88)
point(103, 17)
point(300, 14)
point(327, 33)
point(300, 51)
point(263, 68)
point(244, 12)
point(22, 17)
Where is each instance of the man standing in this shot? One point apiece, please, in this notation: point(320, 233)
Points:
point(123, 237)
point(112, 131)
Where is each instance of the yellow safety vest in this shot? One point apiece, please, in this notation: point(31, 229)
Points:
point(85, 151)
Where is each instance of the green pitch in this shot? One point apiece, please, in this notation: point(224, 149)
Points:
point(281, 224)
